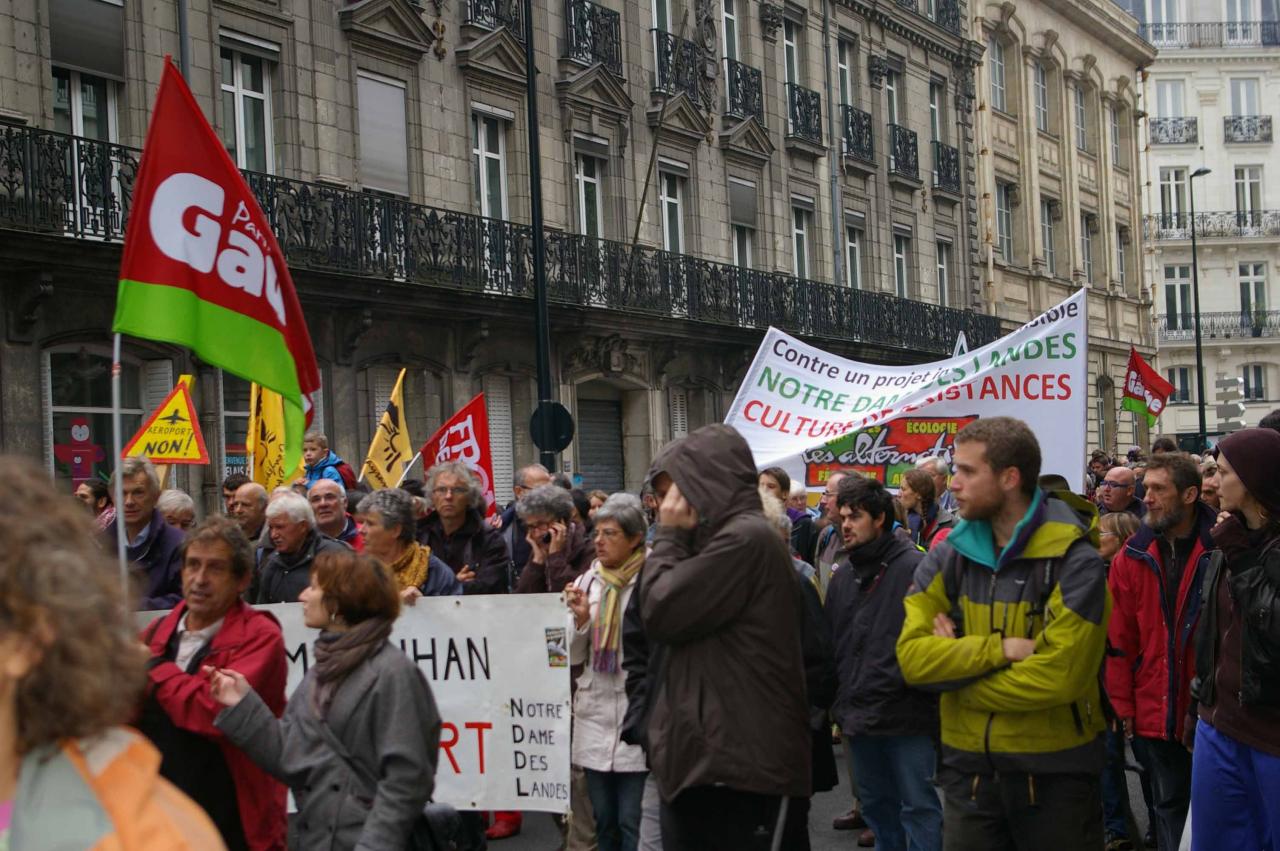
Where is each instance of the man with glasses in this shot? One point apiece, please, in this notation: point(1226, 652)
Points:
point(329, 501)
point(828, 525)
point(1117, 493)
point(457, 533)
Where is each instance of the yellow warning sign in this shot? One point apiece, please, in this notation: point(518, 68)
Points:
point(171, 435)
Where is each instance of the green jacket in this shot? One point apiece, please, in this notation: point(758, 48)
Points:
point(1043, 714)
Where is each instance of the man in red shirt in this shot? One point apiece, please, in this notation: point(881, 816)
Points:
point(1155, 581)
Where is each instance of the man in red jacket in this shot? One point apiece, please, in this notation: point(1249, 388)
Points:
point(214, 626)
point(1155, 581)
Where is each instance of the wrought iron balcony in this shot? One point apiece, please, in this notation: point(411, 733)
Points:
point(859, 140)
point(679, 65)
point(1173, 131)
point(804, 114)
point(904, 156)
point(744, 91)
point(595, 35)
point(495, 14)
point(1212, 34)
point(948, 15)
point(946, 167)
point(909, 5)
point(1247, 128)
point(1224, 325)
point(1225, 223)
point(65, 186)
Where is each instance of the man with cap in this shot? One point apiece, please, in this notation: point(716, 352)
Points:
point(1235, 767)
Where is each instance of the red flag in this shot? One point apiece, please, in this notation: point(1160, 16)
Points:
point(1145, 391)
point(202, 268)
point(465, 438)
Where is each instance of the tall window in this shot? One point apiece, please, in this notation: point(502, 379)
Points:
point(235, 423)
point(791, 50)
point(995, 64)
point(1113, 128)
point(1173, 194)
point(586, 174)
point(246, 109)
point(84, 105)
point(844, 65)
point(1178, 311)
point(78, 427)
point(662, 15)
point(1046, 235)
point(671, 202)
point(800, 220)
point(1004, 221)
point(1254, 388)
point(901, 264)
point(1244, 96)
point(1253, 288)
point(937, 119)
point(1042, 97)
point(1240, 14)
point(1121, 260)
point(1180, 378)
point(489, 155)
point(853, 256)
point(892, 93)
point(730, 23)
point(1086, 248)
point(743, 237)
point(1082, 127)
point(943, 257)
point(1169, 98)
point(384, 135)
point(1248, 190)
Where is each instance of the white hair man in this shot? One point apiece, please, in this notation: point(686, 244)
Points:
point(291, 523)
point(937, 466)
point(150, 543)
point(178, 508)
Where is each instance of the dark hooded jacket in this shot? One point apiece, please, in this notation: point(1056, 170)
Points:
point(284, 576)
point(730, 707)
point(474, 544)
point(560, 568)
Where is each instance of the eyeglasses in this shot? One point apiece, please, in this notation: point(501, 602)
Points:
point(1109, 485)
point(609, 534)
point(443, 491)
point(325, 497)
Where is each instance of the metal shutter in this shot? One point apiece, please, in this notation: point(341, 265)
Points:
point(382, 380)
point(600, 444)
point(157, 383)
point(46, 409)
point(679, 404)
point(497, 402)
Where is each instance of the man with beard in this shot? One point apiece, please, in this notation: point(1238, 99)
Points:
point(1007, 618)
point(1156, 583)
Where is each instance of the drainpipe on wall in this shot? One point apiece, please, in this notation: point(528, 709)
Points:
point(834, 164)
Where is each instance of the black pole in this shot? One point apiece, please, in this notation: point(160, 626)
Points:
point(1195, 290)
point(542, 324)
point(184, 42)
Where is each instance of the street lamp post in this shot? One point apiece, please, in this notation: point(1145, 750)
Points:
point(1195, 290)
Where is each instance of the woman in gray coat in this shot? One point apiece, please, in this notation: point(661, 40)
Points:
point(358, 740)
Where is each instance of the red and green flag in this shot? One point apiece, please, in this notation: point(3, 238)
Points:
point(1145, 390)
point(202, 268)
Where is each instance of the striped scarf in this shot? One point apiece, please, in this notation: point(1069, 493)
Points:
point(606, 632)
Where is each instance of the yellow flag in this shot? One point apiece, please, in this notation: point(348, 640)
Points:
point(391, 452)
point(264, 443)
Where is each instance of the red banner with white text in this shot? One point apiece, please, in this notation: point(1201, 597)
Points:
point(465, 438)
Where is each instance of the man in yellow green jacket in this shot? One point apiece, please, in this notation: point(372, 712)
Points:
point(1008, 619)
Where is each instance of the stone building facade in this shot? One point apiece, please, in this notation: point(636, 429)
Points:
point(1060, 134)
point(1211, 95)
point(772, 165)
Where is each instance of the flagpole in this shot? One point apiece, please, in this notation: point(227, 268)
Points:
point(417, 456)
point(116, 442)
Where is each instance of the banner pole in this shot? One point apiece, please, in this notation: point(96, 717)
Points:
point(417, 456)
point(116, 442)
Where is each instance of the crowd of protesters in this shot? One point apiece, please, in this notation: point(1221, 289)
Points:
point(983, 648)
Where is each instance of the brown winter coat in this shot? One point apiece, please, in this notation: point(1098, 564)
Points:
point(729, 705)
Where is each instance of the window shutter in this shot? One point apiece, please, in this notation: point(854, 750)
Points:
point(679, 398)
point(157, 383)
point(87, 35)
point(46, 408)
point(497, 401)
point(384, 139)
point(317, 404)
point(382, 380)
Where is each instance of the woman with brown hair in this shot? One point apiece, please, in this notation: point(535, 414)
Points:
point(925, 517)
point(71, 673)
point(359, 738)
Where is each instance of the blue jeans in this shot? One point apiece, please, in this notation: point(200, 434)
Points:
point(895, 783)
point(615, 800)
point(1234, 790)
point(1115, 787)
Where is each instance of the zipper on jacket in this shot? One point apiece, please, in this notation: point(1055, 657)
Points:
point(986, 742)
point(973, 792)
point(1075, 713)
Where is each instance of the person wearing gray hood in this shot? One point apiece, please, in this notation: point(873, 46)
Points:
point(728, 729)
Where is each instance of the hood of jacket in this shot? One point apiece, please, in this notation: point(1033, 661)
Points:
point(329, 460)
point(714, 469)
point(1053, 523)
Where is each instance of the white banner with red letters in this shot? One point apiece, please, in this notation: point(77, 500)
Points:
point(814, 413)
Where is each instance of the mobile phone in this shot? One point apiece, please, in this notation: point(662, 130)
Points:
point(546, 537)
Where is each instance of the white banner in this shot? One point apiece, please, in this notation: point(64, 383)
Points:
point(499, 670)
point(813, 413)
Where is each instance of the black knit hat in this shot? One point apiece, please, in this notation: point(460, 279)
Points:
point(1254, 454)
